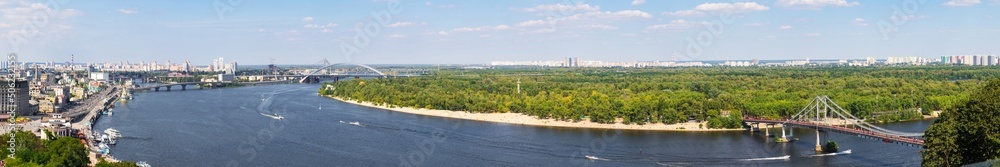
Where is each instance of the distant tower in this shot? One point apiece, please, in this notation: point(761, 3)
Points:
point(518, 86)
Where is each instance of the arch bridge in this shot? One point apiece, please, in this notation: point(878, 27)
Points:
point(314, 75)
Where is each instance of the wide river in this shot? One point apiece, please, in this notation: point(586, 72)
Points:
point(226, 127)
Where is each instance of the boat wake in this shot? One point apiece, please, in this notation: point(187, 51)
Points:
point(769, 158)
point(355, 123)
point(596, 158)
point(274, 116)
point(832, 154)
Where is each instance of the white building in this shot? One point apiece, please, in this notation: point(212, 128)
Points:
point(99, 76)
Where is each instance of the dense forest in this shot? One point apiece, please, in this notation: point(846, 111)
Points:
point(718, 95)
point(968, 134)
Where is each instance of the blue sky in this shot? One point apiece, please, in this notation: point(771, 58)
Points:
point(460, 32)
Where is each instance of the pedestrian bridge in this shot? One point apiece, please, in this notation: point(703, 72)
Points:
point(823, 114)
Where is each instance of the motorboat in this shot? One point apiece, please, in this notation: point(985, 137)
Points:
point(355, 123)
point(275, 116)
point(112, 133)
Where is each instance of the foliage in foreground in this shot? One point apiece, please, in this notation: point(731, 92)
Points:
point(30, 150)
point(968, 134)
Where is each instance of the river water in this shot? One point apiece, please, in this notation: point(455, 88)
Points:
point(225, 127)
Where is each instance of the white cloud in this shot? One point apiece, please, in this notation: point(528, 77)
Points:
point(860, 22)
point(962, 2)
point(612, 15)
point(325, 30)
point(684, 13)
point(260, 30)
point(702, 9)
point(785, 27)
point(317, 26)
point(814, 4)
point(676, 24)
point(531, 23)
point(442, 33)
point(597, 26)
point(561, 8)
point(544, 30)
point(127, 11)
point(732, 7)
point(483, 28)
point(400, 24)
point(755, 24)
point(17, 15)
point(307, 19)
point(502, 27)
point(638, 2)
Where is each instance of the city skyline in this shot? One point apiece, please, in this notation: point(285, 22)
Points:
point(446, 32)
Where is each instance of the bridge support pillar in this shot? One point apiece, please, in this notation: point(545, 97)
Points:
point(184, 87)
point(156, 89)
point(783, 131)
point(168, 88)
point(819, 148)
point(767, 130)
point(791, 132)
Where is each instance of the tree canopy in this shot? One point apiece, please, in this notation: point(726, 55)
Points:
point(968, 134)
point(30, 150)
point(672, 95)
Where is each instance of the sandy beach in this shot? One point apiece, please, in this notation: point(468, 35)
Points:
point(521, 119)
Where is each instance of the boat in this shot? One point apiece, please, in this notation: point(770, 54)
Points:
point(112, 133)
point(104, 148)
point(595, 158)
point(355, 123)
point(275, 116)
point(142, 164)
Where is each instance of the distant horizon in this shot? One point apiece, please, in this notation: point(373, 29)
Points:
point(487, 63)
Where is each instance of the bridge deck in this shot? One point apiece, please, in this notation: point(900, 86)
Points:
point(841, 129)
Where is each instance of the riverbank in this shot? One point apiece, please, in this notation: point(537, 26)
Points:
point(521, 119)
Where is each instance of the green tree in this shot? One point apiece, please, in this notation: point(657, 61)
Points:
point(967, 134)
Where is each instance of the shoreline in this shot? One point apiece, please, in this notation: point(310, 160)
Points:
point(521, 119)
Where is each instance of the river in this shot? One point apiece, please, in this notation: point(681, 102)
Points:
point(224, 127)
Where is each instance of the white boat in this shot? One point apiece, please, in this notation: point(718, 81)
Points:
point(104, 148)
point(355, 123)
point(112, 133)
point(275, 116)
point(595, 158)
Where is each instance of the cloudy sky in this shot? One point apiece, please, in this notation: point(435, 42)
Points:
point(459, 32)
